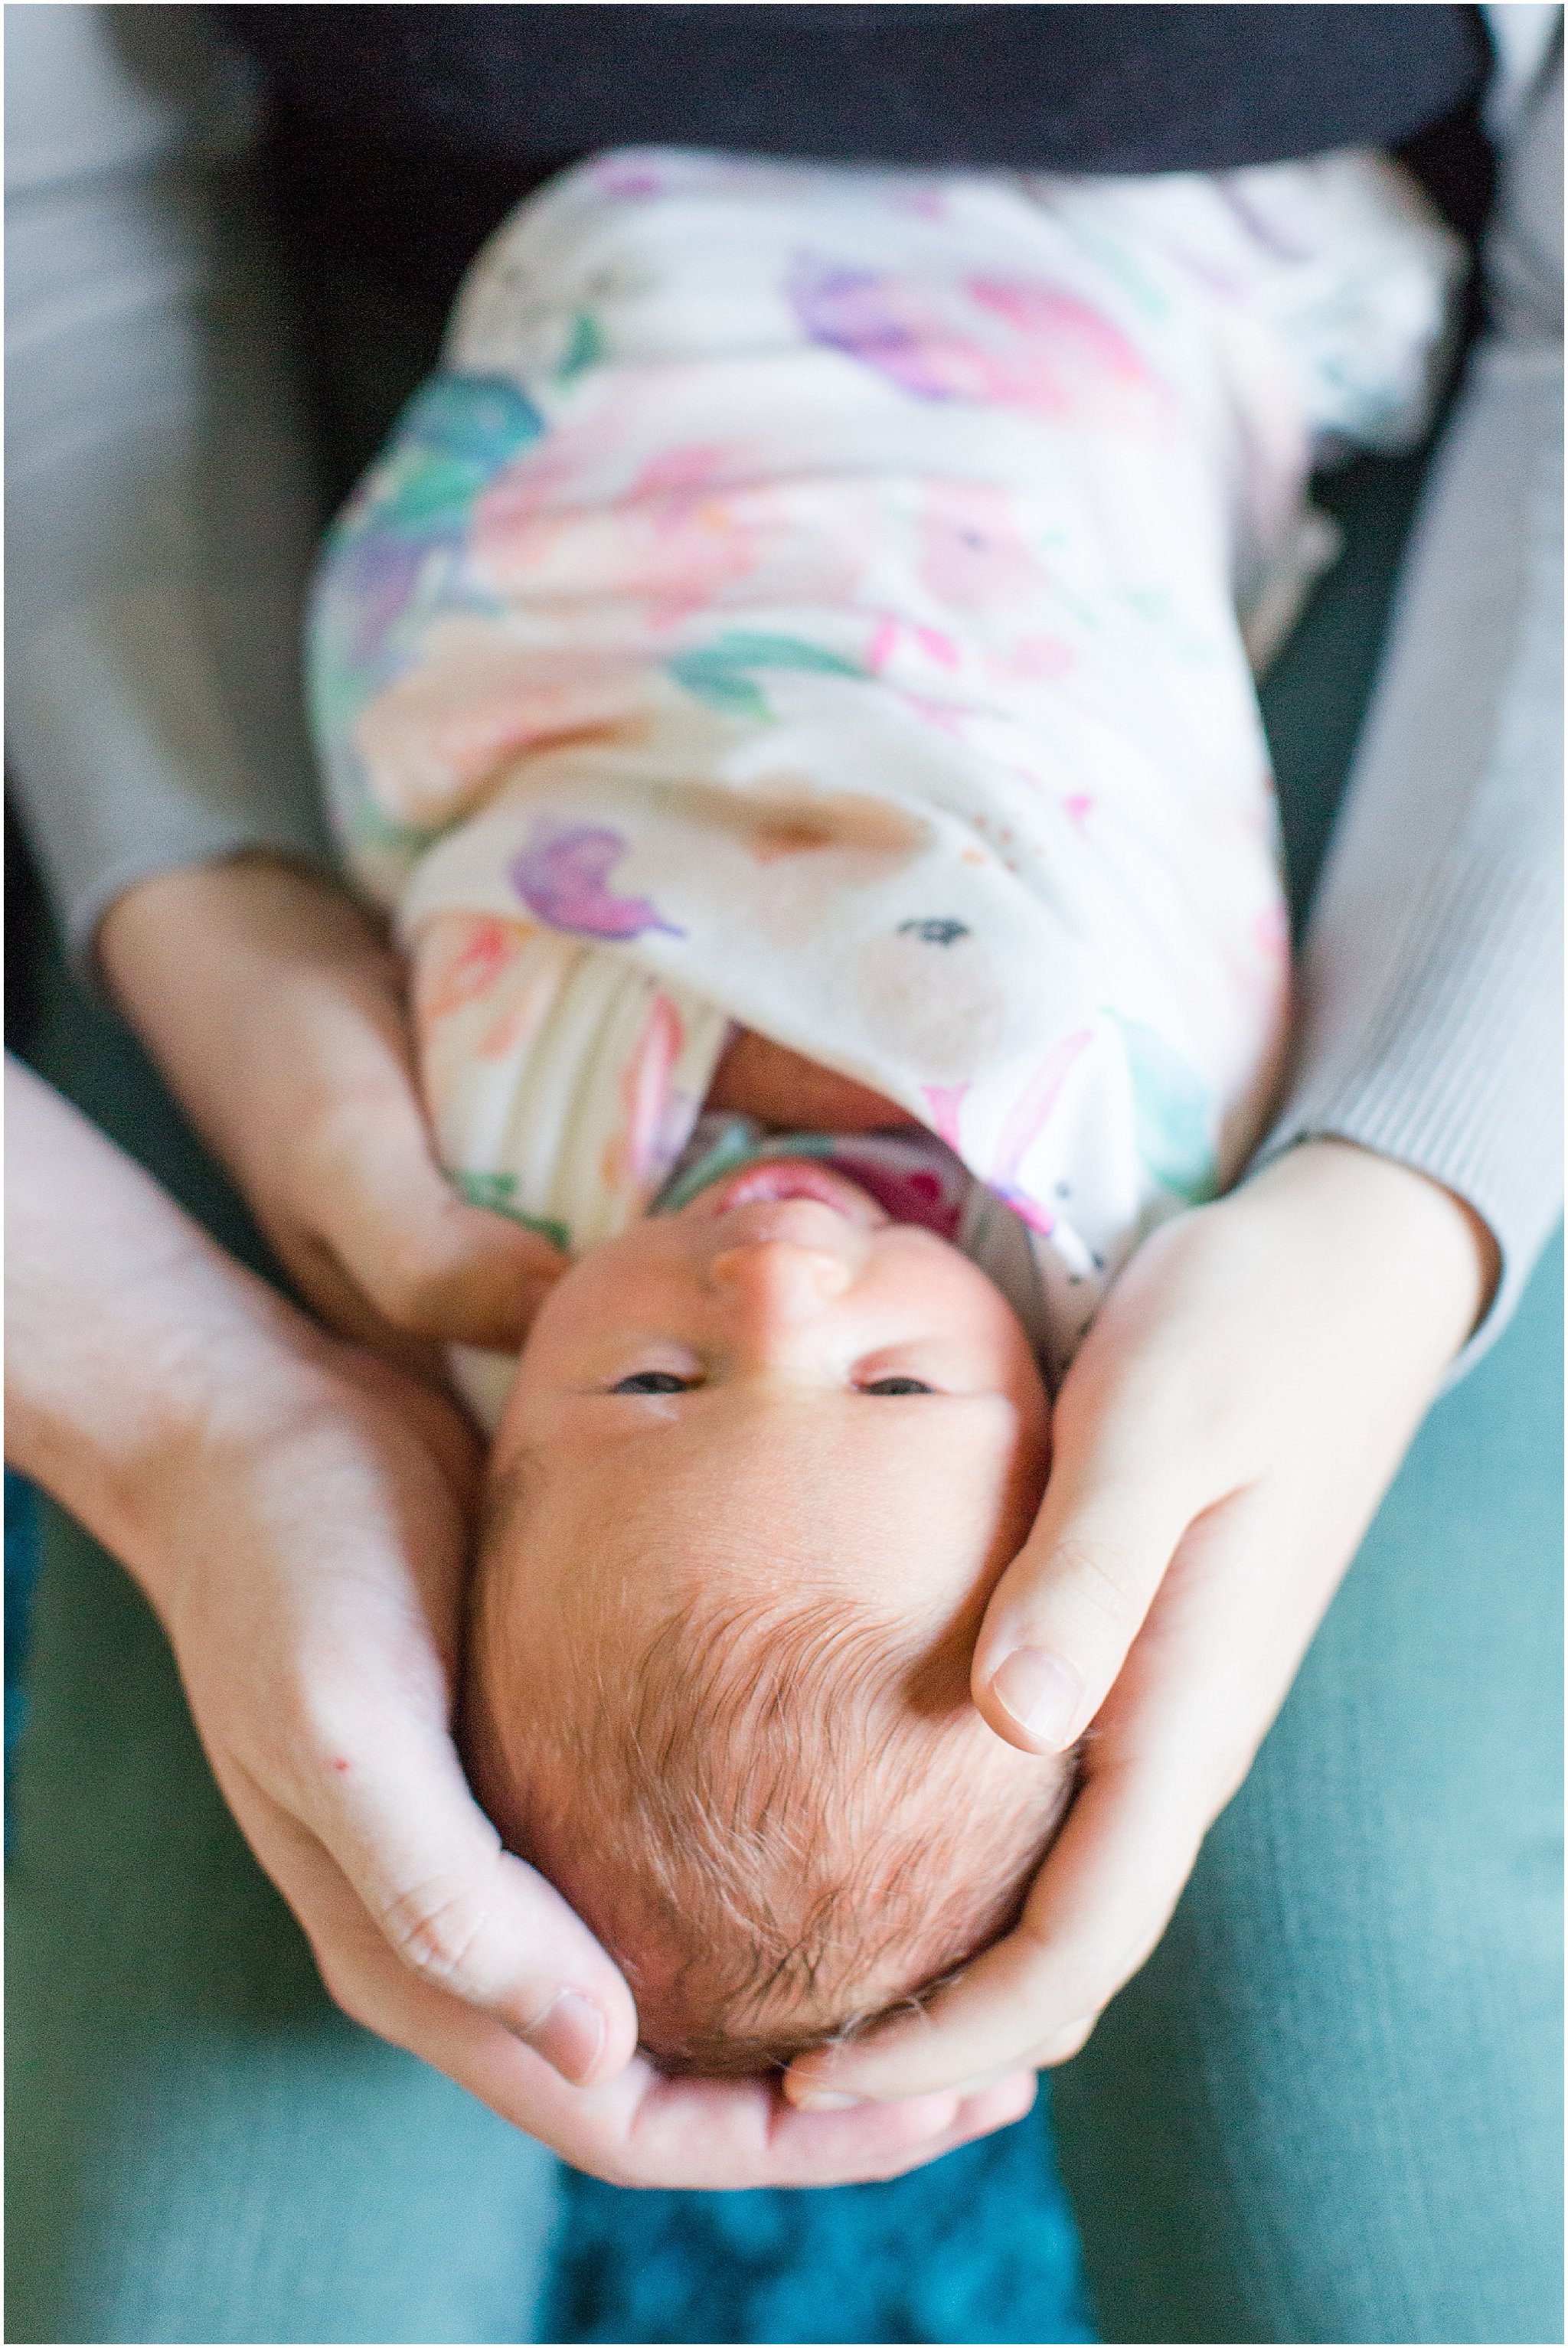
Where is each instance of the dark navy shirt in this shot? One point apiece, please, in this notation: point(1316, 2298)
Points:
point(402, 134)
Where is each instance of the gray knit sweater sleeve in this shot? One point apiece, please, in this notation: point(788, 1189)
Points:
point(159, 512)
point(161, 522)
point(1430, 998)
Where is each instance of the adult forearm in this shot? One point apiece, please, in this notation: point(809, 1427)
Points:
point(131, 1340)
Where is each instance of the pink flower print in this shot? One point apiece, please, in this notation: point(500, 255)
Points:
point(671, 538)
point(944, 1104)
point(1026, 1120)
point(972, 554)
point(1053, 355)
point(637, 1158)
point(699, 468)
point(891, 635)
point(929, 203)
point(1070, 357)
point(518, 499)
point(627, 176)
point(1033, 660)
point(945, 716)
point(481, 948)
point(694, 538)
point(562, 875)
point(1038, 1219)
point(694, 527)
point(443, 733)
point(704, 525)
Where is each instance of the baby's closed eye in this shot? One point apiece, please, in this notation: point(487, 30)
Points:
point(665, 1381)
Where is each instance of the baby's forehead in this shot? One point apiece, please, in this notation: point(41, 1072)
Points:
point(909, 1521)
point(730, 1456)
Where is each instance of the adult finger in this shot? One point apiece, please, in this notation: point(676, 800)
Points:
point(391, 1807)
point(1167, 1750)
point(1098, 1907)
point(706, 2135)
point(693, 2130)
point(1062, 1617)
point(636, 2128)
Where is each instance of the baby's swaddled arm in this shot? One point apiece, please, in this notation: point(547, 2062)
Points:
point(278, 1014)
point(767, 1081)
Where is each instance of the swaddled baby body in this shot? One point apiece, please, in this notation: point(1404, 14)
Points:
point(808, 606)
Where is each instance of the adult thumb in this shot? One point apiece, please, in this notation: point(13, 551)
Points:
point(1064, 1614)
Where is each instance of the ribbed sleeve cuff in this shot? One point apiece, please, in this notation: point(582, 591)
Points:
point(127, 762)
point(1436, 1077)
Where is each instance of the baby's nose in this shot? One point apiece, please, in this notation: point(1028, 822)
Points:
point(781, 1277)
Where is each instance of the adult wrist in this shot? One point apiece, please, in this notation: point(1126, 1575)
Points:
point(1416, 1238)
point(252, 902)
point(243, 1406)
point(191, 1363)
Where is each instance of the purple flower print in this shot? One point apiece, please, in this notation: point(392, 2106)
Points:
point(562, 875)
point(875, 319)
point(1013, 343)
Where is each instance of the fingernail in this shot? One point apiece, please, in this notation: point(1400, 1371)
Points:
point(822, 2099)
point(1040, 1694)
point(569, 2034)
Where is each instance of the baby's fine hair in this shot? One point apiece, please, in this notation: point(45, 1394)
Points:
point(780, 1821)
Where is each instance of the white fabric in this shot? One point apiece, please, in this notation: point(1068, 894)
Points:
point(126, 496)
point(813, 597)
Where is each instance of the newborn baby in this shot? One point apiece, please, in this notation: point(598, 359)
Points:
point(763, 1461)
point(815, 604)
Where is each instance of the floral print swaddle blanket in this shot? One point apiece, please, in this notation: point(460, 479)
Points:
point(814, 598)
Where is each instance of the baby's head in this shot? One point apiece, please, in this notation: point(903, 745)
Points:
point(763, 1464)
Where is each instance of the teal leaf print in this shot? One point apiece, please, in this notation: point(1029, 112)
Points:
point(456, 434)
point(1171, 1112)
point(584, 350)
point(497, 1194)
point(718, 674)
point(418, 491)
point(729, 691)
point(483, 420)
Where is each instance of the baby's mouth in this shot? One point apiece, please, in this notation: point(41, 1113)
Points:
point(781, 1179)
